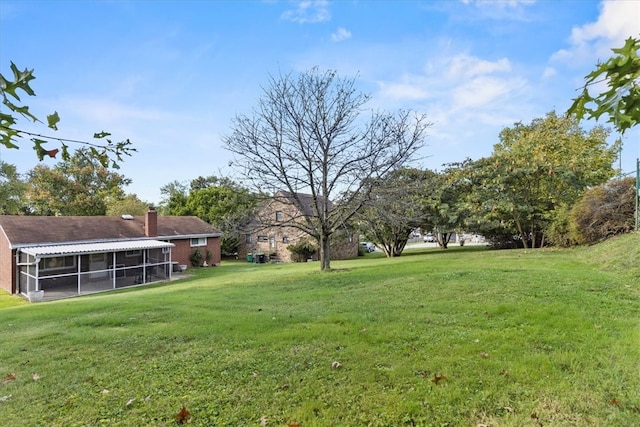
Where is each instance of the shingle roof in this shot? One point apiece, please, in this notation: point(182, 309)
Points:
point(42, 230)
point(306, 200)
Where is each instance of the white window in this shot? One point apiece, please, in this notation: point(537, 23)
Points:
point(248, 238)
point(199, 241)
point(263, 239)
point(279, 216)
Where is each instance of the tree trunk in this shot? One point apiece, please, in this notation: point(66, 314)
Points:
point(521, 231)
point(325, 256)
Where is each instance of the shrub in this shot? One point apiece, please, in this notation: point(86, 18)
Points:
point(302, 251)
point(195, 258)
point(605, 211)
point(562, 231)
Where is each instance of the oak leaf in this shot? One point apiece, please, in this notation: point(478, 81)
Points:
point(183, 415)
point(437, 378)
point(8, 379)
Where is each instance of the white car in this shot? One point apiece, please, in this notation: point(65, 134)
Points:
point(429, 238)
point(368, 246)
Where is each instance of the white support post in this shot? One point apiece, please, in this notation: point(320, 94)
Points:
point(144, 266)
point(79, 271)
point(37, 273)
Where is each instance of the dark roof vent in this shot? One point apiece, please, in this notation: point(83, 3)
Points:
point(127, 216)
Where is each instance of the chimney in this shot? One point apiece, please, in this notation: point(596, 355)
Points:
point(151, 223)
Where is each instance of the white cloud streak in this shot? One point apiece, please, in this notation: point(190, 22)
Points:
point(308, 12)
point(340, 35)
point(617, 21)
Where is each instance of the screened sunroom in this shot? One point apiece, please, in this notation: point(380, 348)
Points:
point(60, 271)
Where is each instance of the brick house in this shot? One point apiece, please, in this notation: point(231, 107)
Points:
point(49, 257)
point(273, 230)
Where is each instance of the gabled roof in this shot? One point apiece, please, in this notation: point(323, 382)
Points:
point(47, 230)
point(306, 200)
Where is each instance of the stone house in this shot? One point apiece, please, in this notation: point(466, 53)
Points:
point(274, 229)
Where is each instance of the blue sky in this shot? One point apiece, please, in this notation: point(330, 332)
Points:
point(171, 75)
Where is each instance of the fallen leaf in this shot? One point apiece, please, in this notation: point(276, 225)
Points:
point(437, 378)
point(336, 365)
point(484, 355)
point(105, 391)
point(508, 409)
point(263, 421)
point(5, 398)
point(363, 330)
point(35, 377)
point(294, 425)
point(255, 375)
point(504, 373)
point(183, 415)
point(129, 403)
point(8, 379)
point(534, 416)
point(614, 402)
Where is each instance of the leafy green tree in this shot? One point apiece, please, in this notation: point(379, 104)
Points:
point(174, 198)
point(12, 190)
point(219, 201)
point(227, 207)
point(533, 171)
point(444, 207)
point(78, 186)
point(393, 208)
point(10, 135)
point(307, 136)
point(621, 102)
point(129, 204)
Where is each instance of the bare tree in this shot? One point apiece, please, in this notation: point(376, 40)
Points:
point(307, 137)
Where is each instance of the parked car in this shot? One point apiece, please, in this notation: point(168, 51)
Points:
point(368, 246)
point(429, 238)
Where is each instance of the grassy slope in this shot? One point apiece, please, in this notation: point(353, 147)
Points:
point(523, 338)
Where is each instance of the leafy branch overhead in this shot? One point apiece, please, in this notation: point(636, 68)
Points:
point(621, 102)
point(105, 152)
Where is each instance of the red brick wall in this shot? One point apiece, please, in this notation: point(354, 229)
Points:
point(181, 252)
point(7, 275)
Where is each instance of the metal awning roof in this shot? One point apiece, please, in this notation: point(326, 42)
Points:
point(88, 248)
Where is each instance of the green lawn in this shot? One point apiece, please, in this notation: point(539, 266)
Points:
point(464, 337)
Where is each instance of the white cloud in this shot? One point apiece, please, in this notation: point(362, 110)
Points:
point(499, 3)
point(411, 90)
point(618, 20)
point(500, 10)
point(549, 72)
point(340, 35)
point(483, 92)
point(308, 11)
point(465, 66)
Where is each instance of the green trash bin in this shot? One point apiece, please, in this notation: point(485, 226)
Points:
point(249, 257)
